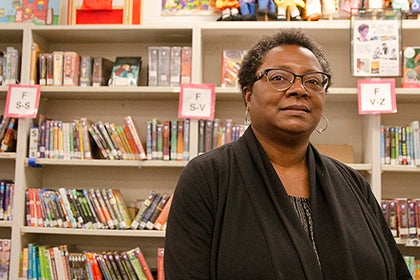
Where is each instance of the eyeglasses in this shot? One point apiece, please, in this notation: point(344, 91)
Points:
point(280, 80)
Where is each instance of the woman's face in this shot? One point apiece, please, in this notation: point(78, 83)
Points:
point(294, 111)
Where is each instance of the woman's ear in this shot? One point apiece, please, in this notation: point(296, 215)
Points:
point(247, 92)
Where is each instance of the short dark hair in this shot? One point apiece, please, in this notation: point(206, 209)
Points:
point(288, 36)
point(362, 26)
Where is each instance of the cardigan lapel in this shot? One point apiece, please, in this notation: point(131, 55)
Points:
point(273, 208)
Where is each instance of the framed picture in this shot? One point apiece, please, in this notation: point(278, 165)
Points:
point(376, 43)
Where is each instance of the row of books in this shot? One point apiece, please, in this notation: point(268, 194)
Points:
point(9, 66)
point(81, 139)
point(68, 68)
point(153, 213)
point(214, 133)
point(400, 145)
point(76, 208)
point(8, 133)
point(5, 246)
point(169, 66)
point(168, 140)
point(403, 216)
point(58, 262)
point(7, 189)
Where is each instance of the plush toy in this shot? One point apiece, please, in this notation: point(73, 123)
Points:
point(229, 9)
point(247, 8)
point(291, 6)
point(267, 7)
point(312, 10)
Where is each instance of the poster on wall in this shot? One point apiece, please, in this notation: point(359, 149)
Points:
point(187, 7)
point(376, 43)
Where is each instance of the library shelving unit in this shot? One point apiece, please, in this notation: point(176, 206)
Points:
point(135, 179)
point(11, 35)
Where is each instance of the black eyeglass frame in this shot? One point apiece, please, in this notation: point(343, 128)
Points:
point(265, 73)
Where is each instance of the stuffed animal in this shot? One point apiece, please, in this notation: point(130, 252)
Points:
point(229, 9)
point(247, 8)
point(312, 10)
point(267, 7)
point(291, 6)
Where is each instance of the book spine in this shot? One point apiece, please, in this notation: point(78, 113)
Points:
point(160, 222)
point(166, 141)
point(71, 68)
point(85, 78)
point(58, 64)
point(33, 142)
point(186, 153)
point(42, 69)
point(149, 140)
point(180, 140)
point(152, 79)
point(160, 263)
point(186, 65)
point(164, 66)
point(35, 51)
point(175, 67)
point(130, 123)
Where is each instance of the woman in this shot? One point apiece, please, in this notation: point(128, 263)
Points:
point(269, 206)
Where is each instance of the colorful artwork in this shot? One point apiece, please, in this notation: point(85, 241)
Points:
point(37, 11)
point(187, 7)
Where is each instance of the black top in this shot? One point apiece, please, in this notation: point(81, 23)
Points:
point(231, 218)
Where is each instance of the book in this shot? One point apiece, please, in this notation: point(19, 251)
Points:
point(186, 65)
point(71, 68)
point(129, 122)
point(101, 71)
point(8, 143)
point(50, 69)
point(58, 66)
point(186, 146)
point(11, 67)
point(164, 62)
point(231, 63)
point(180, 140)
point(42, 69)
point(34, 66)
point(160, 263)
point(85, 78)
point(33, 142)
point(152, 66)
point(175, 67)
point(5, 246)
point(160, 222)
point(126, 71)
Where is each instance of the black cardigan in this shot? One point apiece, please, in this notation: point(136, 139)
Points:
point(231, 218)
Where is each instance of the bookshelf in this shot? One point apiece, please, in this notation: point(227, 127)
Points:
point(136, 179)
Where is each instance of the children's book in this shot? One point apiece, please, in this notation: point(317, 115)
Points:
point(126, 71)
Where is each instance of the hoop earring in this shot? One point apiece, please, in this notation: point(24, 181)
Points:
point(322, 130)
point(247, 119)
